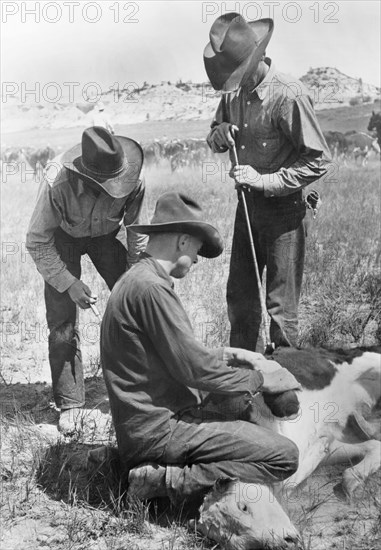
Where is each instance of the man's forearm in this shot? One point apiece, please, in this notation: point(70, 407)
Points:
point(136, 244)
point(219, 118)
point(297, 176)
point(50, 265)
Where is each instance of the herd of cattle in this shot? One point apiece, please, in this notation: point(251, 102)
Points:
point(37, 159)
point(179, 153)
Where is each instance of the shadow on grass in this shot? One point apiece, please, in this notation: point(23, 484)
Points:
point(66, 474)
point(35, 401)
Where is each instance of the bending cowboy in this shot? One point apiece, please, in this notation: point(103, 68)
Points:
point(89, 192)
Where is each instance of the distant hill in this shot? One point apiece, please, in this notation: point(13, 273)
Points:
point(331, 88)
point(167, 101)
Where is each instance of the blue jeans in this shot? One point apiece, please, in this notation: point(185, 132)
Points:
point(205, 446)
point(110, 259)
point(279, 231)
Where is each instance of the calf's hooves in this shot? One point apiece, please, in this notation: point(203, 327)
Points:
point(340, 493)
point(363, 429)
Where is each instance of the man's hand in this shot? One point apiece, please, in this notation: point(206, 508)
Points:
point(279, 380)
point(81, 295)
point(246, 177)
point(244, 358)
point(223, 135)
point(276, 379)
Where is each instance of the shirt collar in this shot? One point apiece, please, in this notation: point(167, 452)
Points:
point(80, 187)
point(159, 269)
point(262, 88)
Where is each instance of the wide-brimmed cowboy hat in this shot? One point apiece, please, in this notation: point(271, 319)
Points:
point(112, 163)
point(177, 213)
point(236, 46)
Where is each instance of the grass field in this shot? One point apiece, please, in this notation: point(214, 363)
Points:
point(47, 500)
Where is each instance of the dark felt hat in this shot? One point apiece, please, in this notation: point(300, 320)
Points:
point(177, 213)
point(110, 162)
point(235, 49)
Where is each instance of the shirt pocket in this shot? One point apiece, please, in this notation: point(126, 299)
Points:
point(74, 224)
point(115, 211)
point(267, 143)
point(267, 151)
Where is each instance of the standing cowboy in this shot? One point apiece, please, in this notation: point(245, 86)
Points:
point(270, 118)
point(80, 211)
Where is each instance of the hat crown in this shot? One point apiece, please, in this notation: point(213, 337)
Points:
point(176, 207)
point(232, 36)
point(235, 49)
point(101, 152)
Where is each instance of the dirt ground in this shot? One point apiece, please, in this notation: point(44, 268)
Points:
point(49, 502)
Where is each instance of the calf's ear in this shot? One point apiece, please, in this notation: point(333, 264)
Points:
point(224, 484)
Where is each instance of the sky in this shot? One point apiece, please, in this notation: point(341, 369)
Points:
point(109, 42)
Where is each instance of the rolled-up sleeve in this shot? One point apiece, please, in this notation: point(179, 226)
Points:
point(136, 242)
point(299, 124)
point(46, 218)
point(188, 361)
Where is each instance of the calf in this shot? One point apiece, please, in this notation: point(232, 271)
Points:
point(339, 390)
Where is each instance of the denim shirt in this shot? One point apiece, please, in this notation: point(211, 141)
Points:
point(279, 134)
point(152, 363)
point(65, 201)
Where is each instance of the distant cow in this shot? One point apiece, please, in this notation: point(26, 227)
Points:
point(375, 124)
point(152, 153)
point(336, 142)
point(340, 389)
point(38, 159)
point(11, 154)
point(360, 145)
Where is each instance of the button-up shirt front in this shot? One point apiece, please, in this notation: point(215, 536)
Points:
point(66, 201)
point(152, 363)
point(279, 134)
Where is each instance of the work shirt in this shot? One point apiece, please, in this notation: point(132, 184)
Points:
point(65, 201)
point(279, 134)
point(152, 363)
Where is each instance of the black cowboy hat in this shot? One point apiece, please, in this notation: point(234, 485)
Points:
point(112, 163)
point(177, 213)
point(235, 49)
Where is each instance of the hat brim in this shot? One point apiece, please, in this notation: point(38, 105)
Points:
point(228, 80)
point(119, 186)
point(212, 241)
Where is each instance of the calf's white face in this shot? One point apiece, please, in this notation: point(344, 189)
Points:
point(246, 516)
